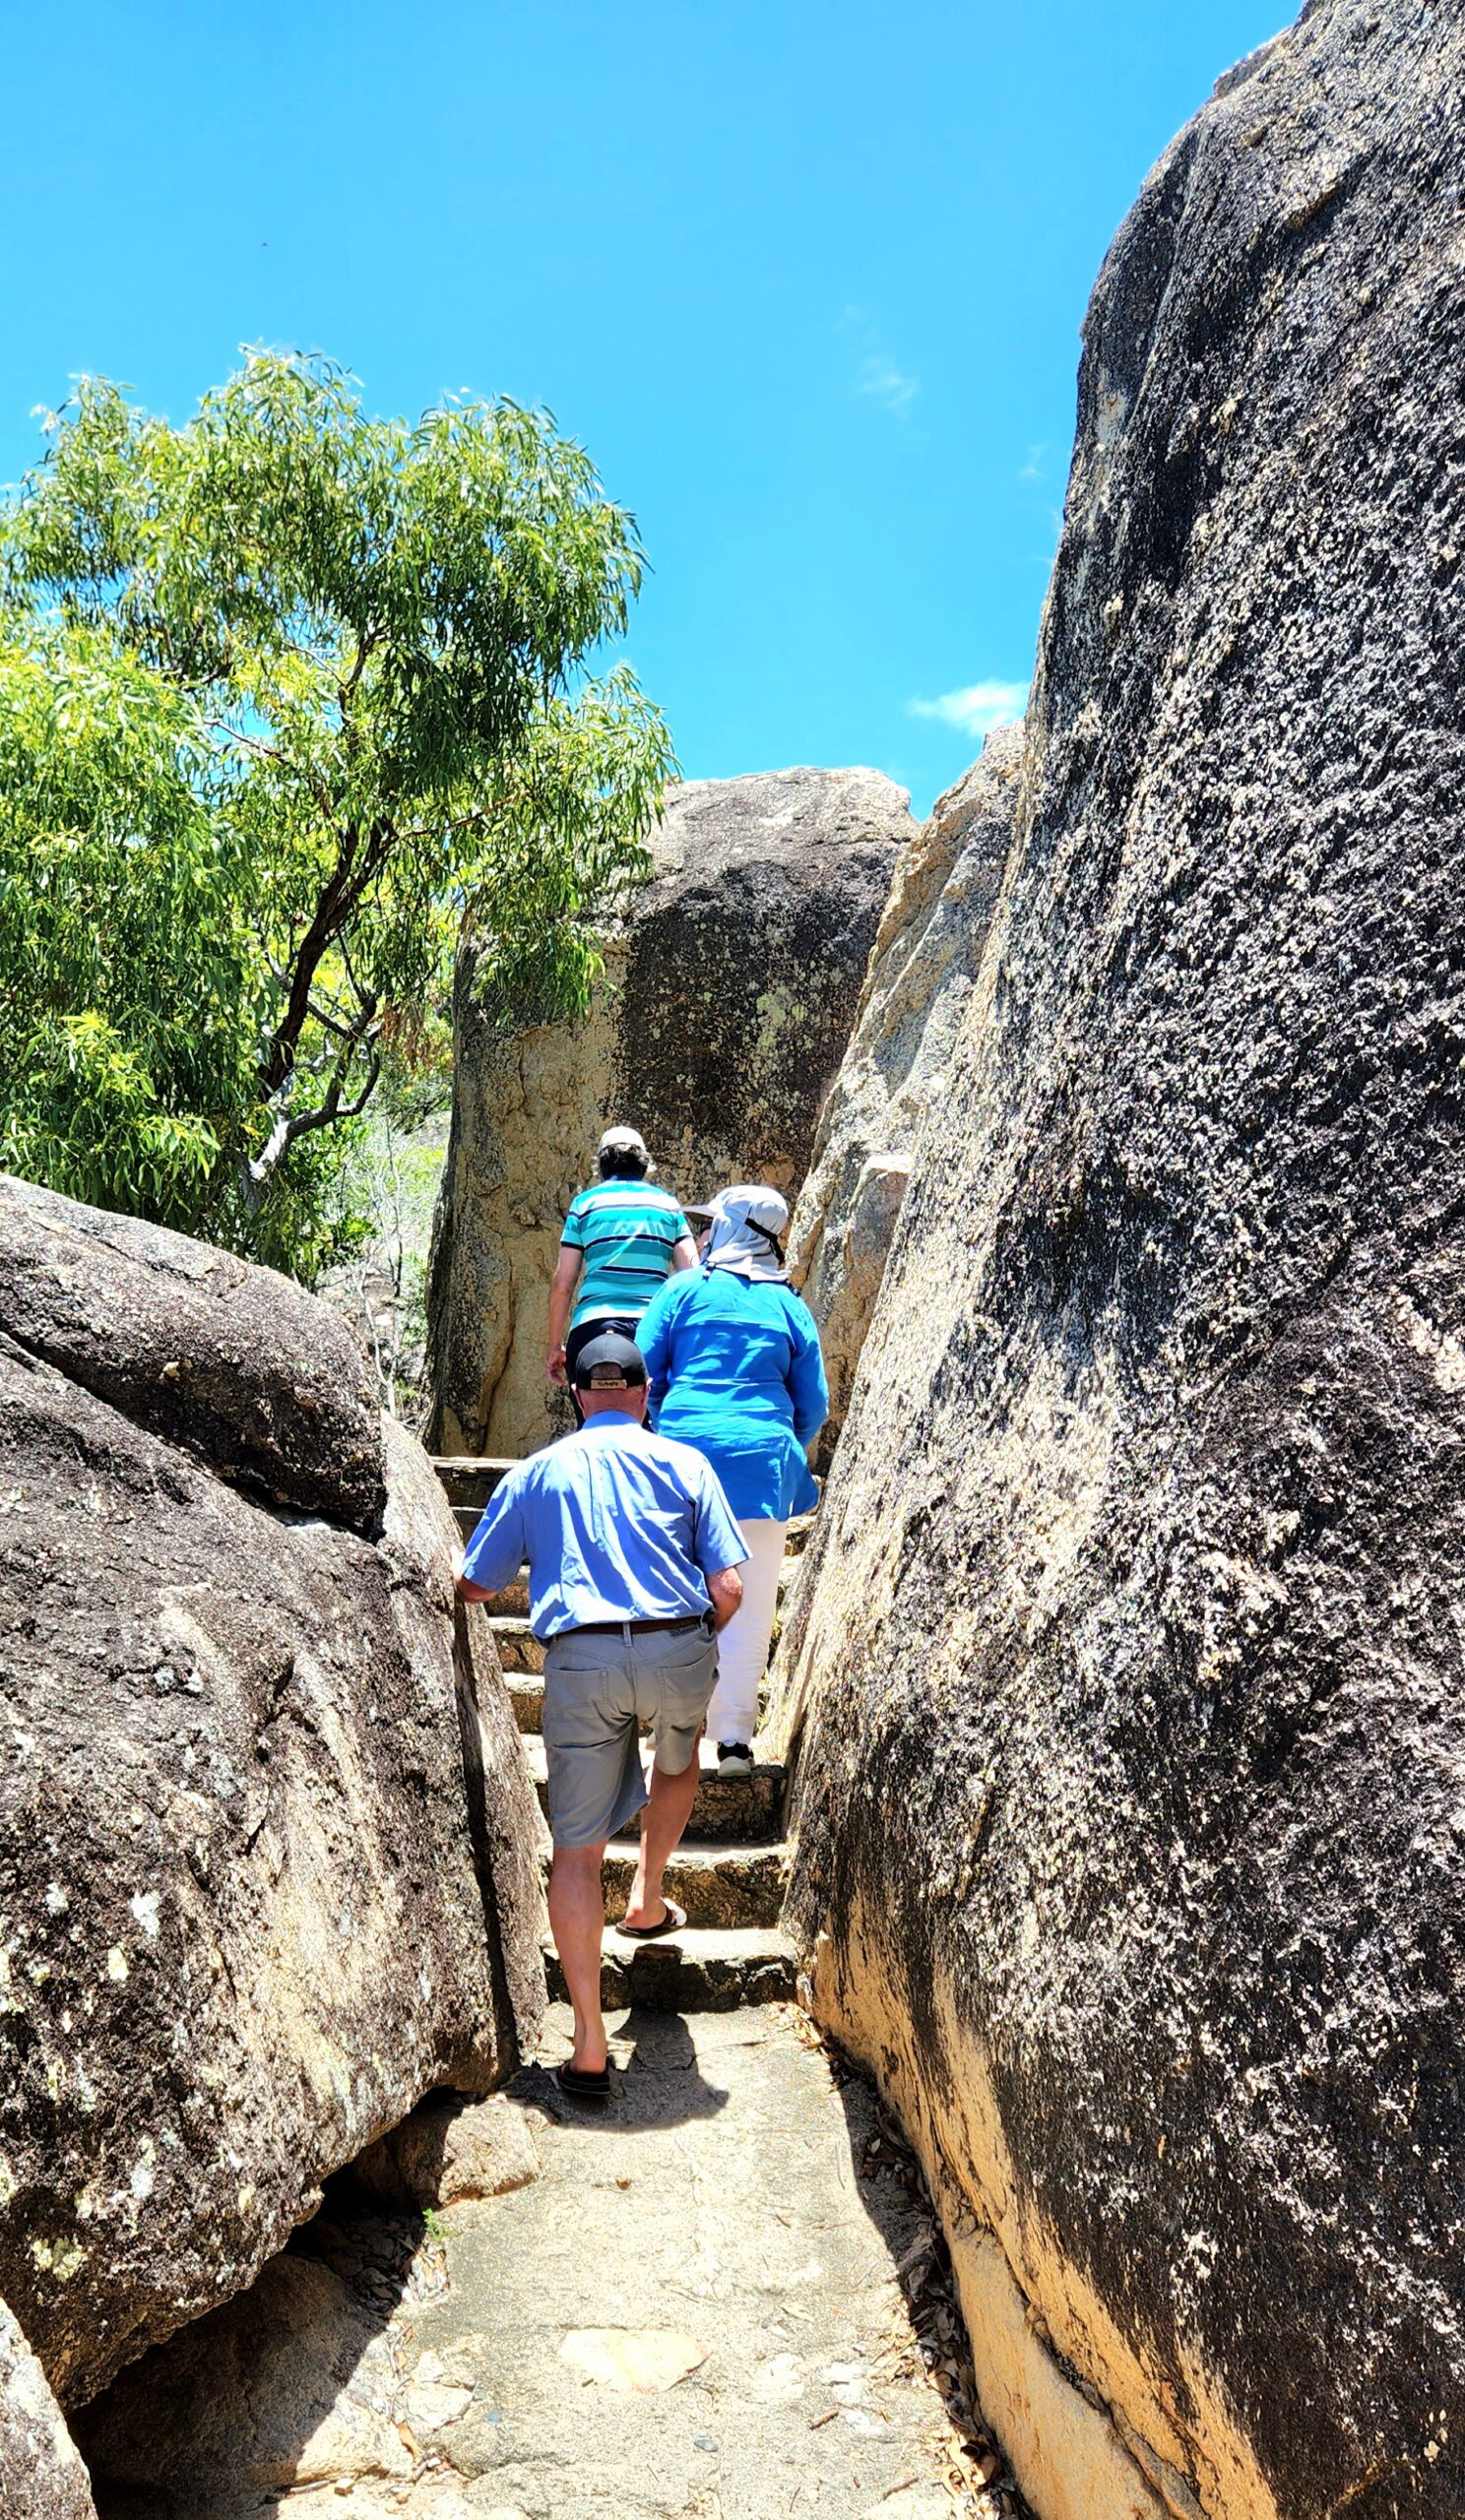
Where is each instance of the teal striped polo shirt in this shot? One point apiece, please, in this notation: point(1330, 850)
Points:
point(627, 1231)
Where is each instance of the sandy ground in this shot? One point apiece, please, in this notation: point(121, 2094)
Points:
point(699, 2308)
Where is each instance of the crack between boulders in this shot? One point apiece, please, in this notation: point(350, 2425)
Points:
point(475, 1807)
point(928, 2275)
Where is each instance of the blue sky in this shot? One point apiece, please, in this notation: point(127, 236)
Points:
point(805, 276)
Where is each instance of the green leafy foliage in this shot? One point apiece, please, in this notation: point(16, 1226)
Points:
point(284, 693)
point(127, 988)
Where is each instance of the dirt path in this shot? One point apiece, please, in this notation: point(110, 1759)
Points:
point(717, 2214)
point(694, 2310)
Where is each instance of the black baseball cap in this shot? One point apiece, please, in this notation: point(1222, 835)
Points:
point(609, 1363)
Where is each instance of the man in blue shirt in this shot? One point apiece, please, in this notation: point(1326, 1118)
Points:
point(632, 1555)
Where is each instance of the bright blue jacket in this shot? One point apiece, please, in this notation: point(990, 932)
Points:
point(735, 1368)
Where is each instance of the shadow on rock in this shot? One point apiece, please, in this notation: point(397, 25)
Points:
point(301, 2380)
point(891, 2186)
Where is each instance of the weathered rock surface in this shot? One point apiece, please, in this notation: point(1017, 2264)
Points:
point(731, 988)
point(250, 1913)
point(186, 1340)
point(925, 956)
point(448, 2152)
point(1130, 1793)
point(41, 2476)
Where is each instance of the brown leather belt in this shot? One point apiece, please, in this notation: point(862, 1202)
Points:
point(637, 1627)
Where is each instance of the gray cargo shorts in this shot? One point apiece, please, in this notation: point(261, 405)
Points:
point(599, 1689)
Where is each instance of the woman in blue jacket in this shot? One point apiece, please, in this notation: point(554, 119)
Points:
point(733, 1359)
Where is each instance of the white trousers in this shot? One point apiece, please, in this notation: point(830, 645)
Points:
point(742, 1647)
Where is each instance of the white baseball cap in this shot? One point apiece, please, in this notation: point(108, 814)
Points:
point(625, 1142)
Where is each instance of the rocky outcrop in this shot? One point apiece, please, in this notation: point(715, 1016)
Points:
point(186, 1340)
point(303, 2382)
point(41, 2476)
point(925, 956)
point(451, 2152)
point(1130, 1800)
point(731, 988)
point(250, 1913)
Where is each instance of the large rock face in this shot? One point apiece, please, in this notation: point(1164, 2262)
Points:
point(1131, 1800)
point(250, 1913)
point(730, 993)
point(926, 957)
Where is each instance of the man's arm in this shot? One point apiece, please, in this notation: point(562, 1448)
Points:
point(561, 1296)
point(683, 1254)
point(725, 1591)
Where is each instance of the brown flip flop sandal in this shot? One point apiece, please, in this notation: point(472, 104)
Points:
point(672, 1921)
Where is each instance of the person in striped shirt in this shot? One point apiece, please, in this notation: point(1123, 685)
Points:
point(627, 1236)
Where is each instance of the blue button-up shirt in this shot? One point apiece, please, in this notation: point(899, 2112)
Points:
point(615, 1523)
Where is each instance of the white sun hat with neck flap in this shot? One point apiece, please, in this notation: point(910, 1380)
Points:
point(748, 1224)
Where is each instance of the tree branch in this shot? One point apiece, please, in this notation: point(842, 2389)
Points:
point(291, 1125)
point(272, 752)
point(456, 822)
point(329, 1023)
point(346, 692)
point(338, 897)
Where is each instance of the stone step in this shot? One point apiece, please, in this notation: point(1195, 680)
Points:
point(740, 1810)
point(693, 1972)
point(519, 1649)
point(470, 1478)
point(727, 1887)
point(527, 1698)
point(511, 1601)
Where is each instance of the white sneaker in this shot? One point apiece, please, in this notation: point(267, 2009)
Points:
point(734, 1758)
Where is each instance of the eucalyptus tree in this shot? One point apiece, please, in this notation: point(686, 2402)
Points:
point(340, 697)
point(128, 970)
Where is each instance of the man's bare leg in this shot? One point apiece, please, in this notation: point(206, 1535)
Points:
point(577, 1920)
point(662, 1820)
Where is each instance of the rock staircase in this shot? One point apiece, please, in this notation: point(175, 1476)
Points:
point(729, 1872)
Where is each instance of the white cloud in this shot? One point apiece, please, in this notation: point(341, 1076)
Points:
point(881, 377)
point(977, 710)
